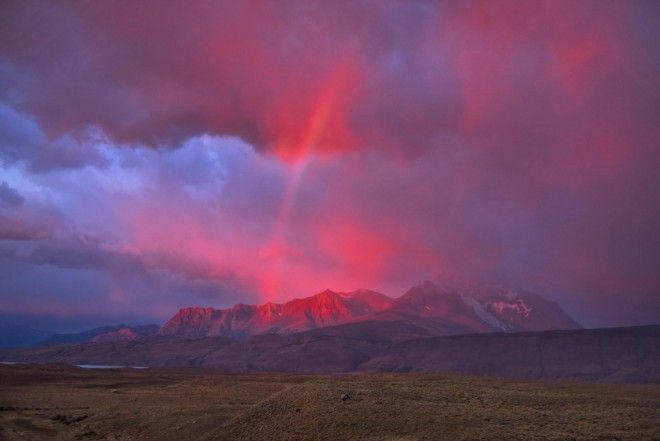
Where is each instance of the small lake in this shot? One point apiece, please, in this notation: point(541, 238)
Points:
point(108, 366)
point(86, 366)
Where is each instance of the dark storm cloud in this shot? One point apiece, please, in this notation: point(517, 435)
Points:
point(73, 252)
point(67, 280)
point(158, 73)
point(9, 196)
point(76, 252)
point(22, 141)
point(11, 229)
point(508, 140)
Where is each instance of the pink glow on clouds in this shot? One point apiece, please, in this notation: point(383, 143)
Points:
point(253, 151)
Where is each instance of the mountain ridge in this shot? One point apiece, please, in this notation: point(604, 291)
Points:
point(438, 310)
point(452, 310)
point(103, 333)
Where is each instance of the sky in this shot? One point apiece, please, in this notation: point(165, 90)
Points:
point(155, 155)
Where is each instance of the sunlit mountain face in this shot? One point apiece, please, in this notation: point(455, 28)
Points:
point(162, 155)
point(432, 309)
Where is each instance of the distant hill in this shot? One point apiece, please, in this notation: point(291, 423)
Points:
point(14, 336)
point(103, 334)
point(438, 310)
point(615, 354)
point(478, 330)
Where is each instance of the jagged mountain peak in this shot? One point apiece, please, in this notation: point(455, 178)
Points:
point(516, 309)
point(449, 309)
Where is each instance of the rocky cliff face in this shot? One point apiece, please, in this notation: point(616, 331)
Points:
point(191, 322)
point(324, 309)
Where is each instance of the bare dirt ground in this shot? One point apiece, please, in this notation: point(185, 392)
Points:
point(62, 403)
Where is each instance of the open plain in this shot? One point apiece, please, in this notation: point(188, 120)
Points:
point(61, 402)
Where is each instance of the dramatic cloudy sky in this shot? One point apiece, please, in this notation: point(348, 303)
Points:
point(161, 154)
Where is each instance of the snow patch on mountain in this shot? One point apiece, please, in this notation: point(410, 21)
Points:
point(518, 307)
point(484, 314)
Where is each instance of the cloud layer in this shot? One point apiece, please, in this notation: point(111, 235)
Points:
point(155, 155)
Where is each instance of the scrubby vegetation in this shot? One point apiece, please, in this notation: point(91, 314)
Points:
point(60, 402)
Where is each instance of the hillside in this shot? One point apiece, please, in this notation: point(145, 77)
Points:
point(614, 354)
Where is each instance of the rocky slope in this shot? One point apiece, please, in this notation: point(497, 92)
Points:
point(324, 309)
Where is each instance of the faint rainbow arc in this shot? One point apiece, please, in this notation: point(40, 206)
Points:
point(304, 149)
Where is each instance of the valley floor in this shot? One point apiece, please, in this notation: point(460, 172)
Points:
point(61, 402)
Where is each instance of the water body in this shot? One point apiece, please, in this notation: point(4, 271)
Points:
point(108, 366)
point(86, 366)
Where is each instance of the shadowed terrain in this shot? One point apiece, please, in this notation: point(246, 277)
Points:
point(613, 355)
point(61, 402)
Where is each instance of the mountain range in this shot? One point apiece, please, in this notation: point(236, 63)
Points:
point(438, 310)
point(444, 311)
point(477, 331)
